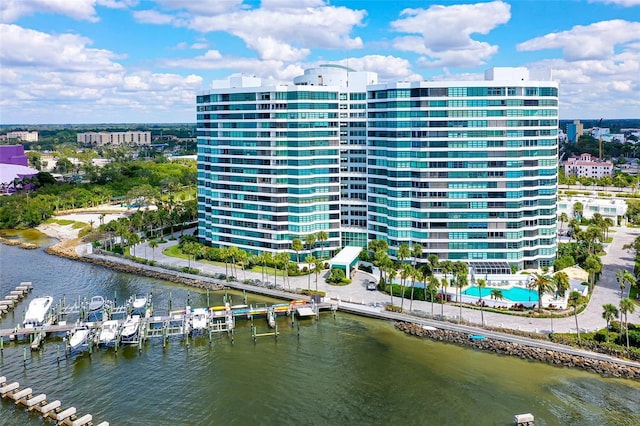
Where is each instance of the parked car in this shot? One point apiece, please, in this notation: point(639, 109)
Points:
point(371, 285)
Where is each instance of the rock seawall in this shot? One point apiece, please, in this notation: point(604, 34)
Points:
point(604, 368)
point(68, 251)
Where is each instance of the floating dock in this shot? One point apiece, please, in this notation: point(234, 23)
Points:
point(38, 403)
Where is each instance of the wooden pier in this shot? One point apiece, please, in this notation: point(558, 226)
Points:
point(39, 404)
point(14, 297)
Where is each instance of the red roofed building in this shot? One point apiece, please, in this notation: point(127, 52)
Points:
point(587, 165)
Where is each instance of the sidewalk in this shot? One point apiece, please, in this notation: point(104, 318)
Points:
point(606, 291)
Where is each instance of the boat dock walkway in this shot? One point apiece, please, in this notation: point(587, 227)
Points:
point(38, 403)
point(178, 323)
point(14, 297)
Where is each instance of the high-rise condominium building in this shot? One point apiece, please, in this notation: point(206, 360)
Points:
point(466, 169)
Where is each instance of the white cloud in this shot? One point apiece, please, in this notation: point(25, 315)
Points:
point(153, 17)
point(389, 68)
point(443, 33)
point(597, 88)
point(595, 41)
point(273, 30)
point(625, 3)
point(201, 7)
point(59, 78)
point(83, 10)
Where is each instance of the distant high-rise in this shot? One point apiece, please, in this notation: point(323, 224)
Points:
point(467, 169)
point(574, 131)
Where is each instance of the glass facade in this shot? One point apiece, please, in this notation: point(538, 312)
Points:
point(466, 169)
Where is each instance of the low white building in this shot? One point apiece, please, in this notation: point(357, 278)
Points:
point(587, 165)
point(607, 207)
point(23, 136)
point(114, 138)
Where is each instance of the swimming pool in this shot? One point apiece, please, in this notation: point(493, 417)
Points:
point(514, 294)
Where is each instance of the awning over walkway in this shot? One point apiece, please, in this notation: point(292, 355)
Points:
point(346, 259)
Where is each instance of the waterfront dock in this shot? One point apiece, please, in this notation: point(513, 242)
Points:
point(12, 299)
point(38, 403)
point(178, 323)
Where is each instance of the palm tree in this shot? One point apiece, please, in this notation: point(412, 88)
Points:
point(403, 252)
point(481, 284)
point(543, 283)
point(284, 259)
point(496, 294)
point(416, 276)
point(297, 246)
point(620, 279)
point(561, 282)
point(461, 282)
point(322, 237)
point(575, 300)
point(318, 266)
point(563, 219)
point(432, 287)
point(627, 307)
point(310, 241)
point(629, 279)
point(443, 283)
point(416, 252)
point(406, 271)
point(311, 260)
point(592, 265)
point(153, 244)
point(609, 313)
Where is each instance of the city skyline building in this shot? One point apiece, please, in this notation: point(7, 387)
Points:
point(466, 169)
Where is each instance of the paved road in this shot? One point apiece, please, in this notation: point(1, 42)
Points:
point(607, 290)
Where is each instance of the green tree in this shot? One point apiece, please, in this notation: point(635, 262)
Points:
point(406, 270)
point(561, 283)
point(543, 283)
point(432, 288)
point(296, 245)
point(416, 276)
point(481, 284)
point(310, 241)
point(311, 261)
point(564, 218)
point(496, 294)
point(575, 300)
point(627, 307)
point(578, 208)
point(609, 313)
point(190, 249)
point(322, 237)
point(593, 265)
point(318, 266)
point(416, 252)
point(153, 244)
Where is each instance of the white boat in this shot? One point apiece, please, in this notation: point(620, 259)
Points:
point(96, 303)
point(79, 340)
point(129, 333)
point(199, 320)
point(37, 311)
point(139, 305)
point(108, 333)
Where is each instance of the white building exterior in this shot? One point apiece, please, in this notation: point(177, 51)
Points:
point(587, 165)
point(607, 207)
point(115, 138)
point(24, 136)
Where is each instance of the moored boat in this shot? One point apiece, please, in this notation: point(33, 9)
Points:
point(139, 305)
point(38, 311)
point(79, 339)
point(96, 303)
point(130, 329)
point(199, 321)
point(108, 333)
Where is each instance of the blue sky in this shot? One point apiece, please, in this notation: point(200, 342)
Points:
point(122, 61)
